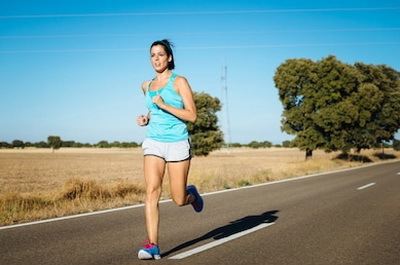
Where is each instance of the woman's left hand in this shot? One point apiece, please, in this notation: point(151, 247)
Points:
point(142, 120)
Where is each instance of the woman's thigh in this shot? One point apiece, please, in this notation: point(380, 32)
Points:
point(178, 173)
point(154, 169)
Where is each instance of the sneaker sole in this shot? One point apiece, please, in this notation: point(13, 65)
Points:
point(143, 255)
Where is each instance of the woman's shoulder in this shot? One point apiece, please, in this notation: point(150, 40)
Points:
point(145, 84)
point(181, 84)
point(180, 79)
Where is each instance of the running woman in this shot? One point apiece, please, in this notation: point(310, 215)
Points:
point(169, 99)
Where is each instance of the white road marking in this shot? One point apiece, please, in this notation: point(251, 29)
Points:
point(71, 217)
point(366, 186)
point(219, 242)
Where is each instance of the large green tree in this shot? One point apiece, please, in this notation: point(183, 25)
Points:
point(334, 113)
point(384, 102)
point(332, 106)
point(205, 133)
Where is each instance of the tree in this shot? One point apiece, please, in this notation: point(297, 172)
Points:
point(54, 142)
point(68, 143)
point(18, 144)
point(396, 144)
point(115, 144)
point(296, 80)
point(103, 144)
point(287, 144)
point(333, 106)
point(256, 144)
point(129, 144)
point(205, 133)
point(336, 114)
point(41, 144)
point(385, 102)
point(5, 145)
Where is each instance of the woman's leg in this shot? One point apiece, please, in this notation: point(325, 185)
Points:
point(178, 174)
point(154, 168)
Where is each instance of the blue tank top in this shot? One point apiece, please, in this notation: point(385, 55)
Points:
point(163, 126)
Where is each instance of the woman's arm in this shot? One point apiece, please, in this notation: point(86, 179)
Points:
point(143, 120)
point(182, 87)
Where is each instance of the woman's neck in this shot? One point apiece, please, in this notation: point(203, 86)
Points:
point(163, 76)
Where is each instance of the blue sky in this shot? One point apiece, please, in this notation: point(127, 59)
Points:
point(74, 68)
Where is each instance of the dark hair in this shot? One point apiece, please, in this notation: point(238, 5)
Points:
point(168, 49)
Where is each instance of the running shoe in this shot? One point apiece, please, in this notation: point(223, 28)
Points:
point(198, 203)
point(149, 251)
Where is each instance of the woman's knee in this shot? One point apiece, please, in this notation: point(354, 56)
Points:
point(153, 192)
point(181, 201)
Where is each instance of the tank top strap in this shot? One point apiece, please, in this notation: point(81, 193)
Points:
point(148, 85)
point(172, 79)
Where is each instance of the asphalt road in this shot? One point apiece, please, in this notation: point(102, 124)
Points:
point(346, 217)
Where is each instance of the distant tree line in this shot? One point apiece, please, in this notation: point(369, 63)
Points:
point(263, 144)
point(116, 144)
point(54, 143)
point(66, 144)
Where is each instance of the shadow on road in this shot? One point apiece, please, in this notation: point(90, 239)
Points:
point(232, 228)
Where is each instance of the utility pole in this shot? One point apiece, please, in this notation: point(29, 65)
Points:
point(225, 100)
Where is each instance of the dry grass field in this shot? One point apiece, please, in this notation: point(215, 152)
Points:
point(37, 184)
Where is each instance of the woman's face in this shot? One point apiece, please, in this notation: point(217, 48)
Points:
point(159, 58)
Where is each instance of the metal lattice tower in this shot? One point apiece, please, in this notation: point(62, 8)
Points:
point(225, 100)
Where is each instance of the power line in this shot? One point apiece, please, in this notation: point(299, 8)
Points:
point(205, 47)
point(196, 33)
point(73, 36)
point(290, 45)
point(70, 50)
point(222, 12)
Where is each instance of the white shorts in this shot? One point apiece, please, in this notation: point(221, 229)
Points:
point(170, 152)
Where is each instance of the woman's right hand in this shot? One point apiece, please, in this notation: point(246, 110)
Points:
point(142, 120)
